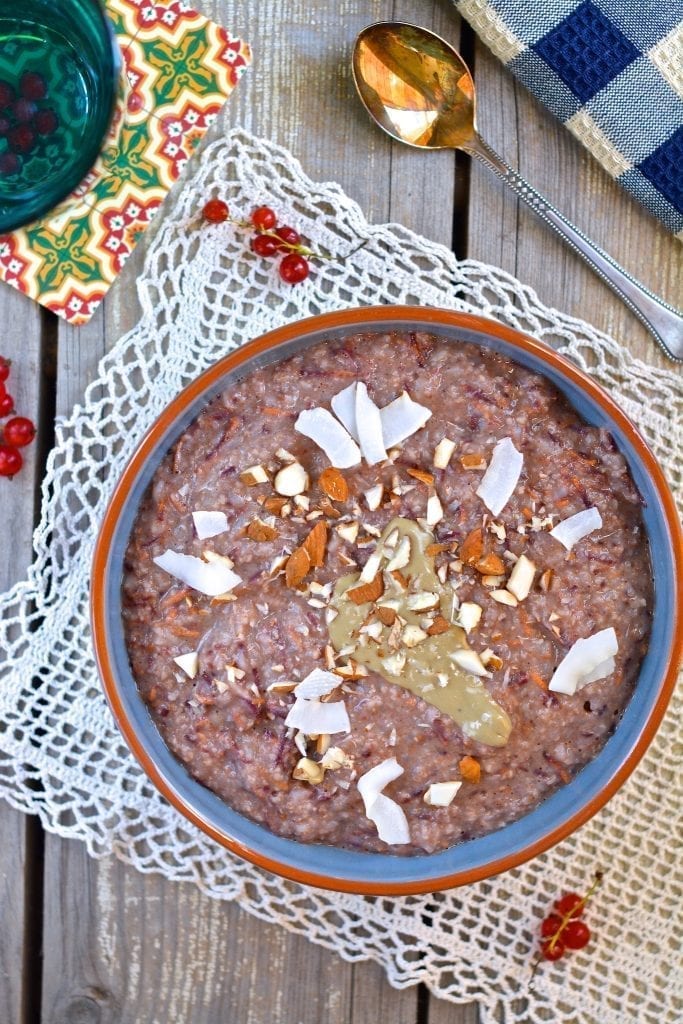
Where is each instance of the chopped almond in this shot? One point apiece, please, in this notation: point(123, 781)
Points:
point(434, 510)
point(291, 480)
point(490, 565)
point(439, 625)
point(387, 616)
point(473, 462)
point(315, 544)
point(504, 597)
point(308, 770)
point(298, 565)
point(421, 474)
point(432, 550)
point(367, 591)
point(443, 452)
point(472, 548)
point(254, 475)
point(328, 509)
point(322, 743)
point(400, 578)
point(546, 580)
point(260, 532)
point(333, 484)
point(470, 769)
point(274, 504)
point(349, 532)
point(521, 577)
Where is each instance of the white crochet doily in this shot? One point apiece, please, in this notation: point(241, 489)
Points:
point(202, 294)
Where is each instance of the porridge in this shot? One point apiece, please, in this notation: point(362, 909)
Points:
point(388, 594)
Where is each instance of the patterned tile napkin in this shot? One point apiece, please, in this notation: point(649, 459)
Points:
point(612, 72)
point(179, 70)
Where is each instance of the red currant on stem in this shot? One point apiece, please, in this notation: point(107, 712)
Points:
point(289, 236)
point(10, 460)
point(264, 245)
point(294, 268)
point(570, 905)
point(216, 211)
point(562, 929)
point(264, 218)
point(4, 368)
point(19, 431)
point(6, 405)
point(576, 934)
point(552, 951)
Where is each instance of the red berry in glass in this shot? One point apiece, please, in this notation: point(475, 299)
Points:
point(264, 245)
point(576, 934)
point(23, 110)
point(552, 950)
point(19, 431)
point(45, 122)
point(10, 163)
point(288, 235)
point(10, 460)
point(6, 405)
point(33, 86)
point(294, 268)
point(4, 368)
point(571, 904)
point(264, 218)
point(5, 125)
point(21, 138)
point(7, 94)
point(216, 211)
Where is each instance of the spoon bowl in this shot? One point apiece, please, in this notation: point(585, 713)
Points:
point(419, 90)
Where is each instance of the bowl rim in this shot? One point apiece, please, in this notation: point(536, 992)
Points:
point(369, 317)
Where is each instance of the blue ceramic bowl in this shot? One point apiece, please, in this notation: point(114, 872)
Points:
point(387, 874)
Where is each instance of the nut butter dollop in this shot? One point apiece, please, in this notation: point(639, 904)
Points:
point(427, 668)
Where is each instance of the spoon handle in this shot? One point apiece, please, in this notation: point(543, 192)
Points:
point(663, 321)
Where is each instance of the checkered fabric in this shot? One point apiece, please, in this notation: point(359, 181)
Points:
point(612, 72)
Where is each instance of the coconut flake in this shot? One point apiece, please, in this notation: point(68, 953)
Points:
point(574, 529)
point(344, 408)
point(313, 717)
point(401, 418)
point(209, 524)
point(322, 428)
point(500, 479)
point(388, 817)
point(369, 427)
point(317, 683)
point(210, 578)
point(189, 663)
point(440, 794)
point(582, 662)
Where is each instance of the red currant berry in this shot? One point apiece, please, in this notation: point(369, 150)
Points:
point(21, 138)
point(264, 218)
point(23, 110)
point(6, 405)
point(264, 245)
point(552, 951)
point(576, 934)
point(19, 431)
point(288, 235)
point(570, 905)
point(45, 122)
point(10, 460)
point(7, 94)
point(216, 211)
point(4, 368)
point(550, 926)
point(33, 86)
point(9, 164)
point(294, 268)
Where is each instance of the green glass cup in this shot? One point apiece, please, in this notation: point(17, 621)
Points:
point(60, 65)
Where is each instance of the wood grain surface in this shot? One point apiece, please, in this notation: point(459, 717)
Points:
point(94, 941)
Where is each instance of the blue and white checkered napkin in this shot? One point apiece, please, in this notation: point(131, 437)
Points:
point(612, 71)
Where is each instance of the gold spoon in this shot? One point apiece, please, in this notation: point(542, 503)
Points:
point(420, 91)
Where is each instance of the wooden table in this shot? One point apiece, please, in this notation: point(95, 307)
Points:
point(95, 942)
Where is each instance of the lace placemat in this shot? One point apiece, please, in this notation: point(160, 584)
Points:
point(203, 293)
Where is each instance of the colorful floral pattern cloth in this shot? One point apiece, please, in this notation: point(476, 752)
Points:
point(179, 70)
point(612, 72)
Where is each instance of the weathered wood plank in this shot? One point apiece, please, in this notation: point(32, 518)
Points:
point(505, 232)
point(21, 342)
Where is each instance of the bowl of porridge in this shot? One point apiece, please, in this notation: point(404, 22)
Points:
point(388, 600)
